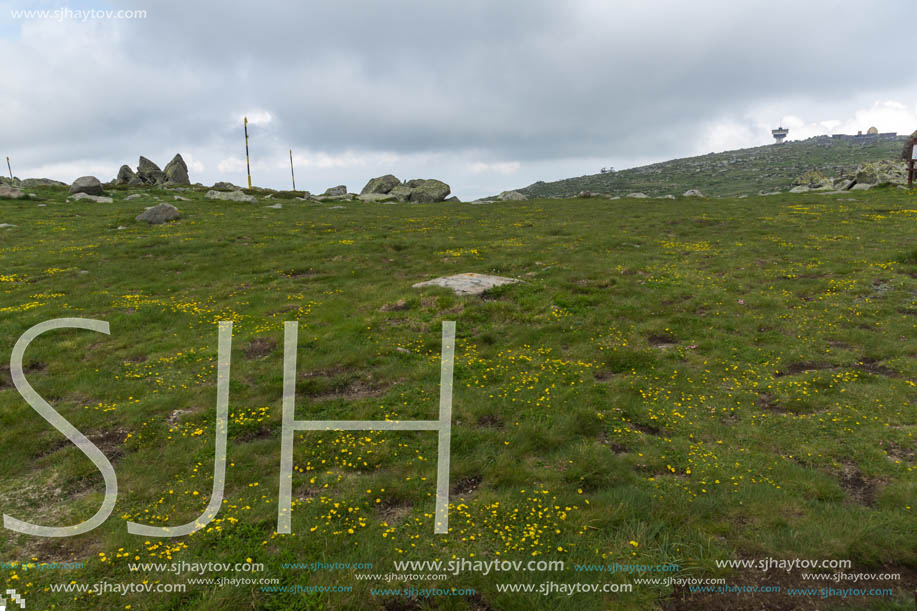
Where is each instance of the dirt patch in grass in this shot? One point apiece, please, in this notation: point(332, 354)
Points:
point(662, 340)
point(769, 402)
point(6, 377)
point(649, 429)
point(259, 348)
point(466, 485)
point(301, 494)
point(111, 443)
point(477, 603)
point(255, 435)
point(872, 366)
point(402, 604)
point(615, 447)
point(859, 490)
point(490, 421)
point(287, 308)
point(603, 375)
point(174, 415)
point(395, 512)
point(398, 306)
point(336, 386)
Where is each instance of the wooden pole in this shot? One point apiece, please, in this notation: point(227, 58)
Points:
point(10, 169)
point(293, 176)
point(248, 167)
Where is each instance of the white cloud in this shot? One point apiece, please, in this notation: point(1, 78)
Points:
point(256, 117)
point(500, 167)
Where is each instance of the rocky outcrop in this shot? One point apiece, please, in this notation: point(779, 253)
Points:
point(157, 215)
point(336, 191)
point(381, 184)
point(86, 184)
point(99, 199)
point(232, 196)
point(376, 197)
point(8, 192)
point(428, 191)
point(511, 196)
point(226, 186)
point(148, 173)
point(176, 171)
point(877, 172)
point(417, 190)
point(42, 182)
point(126, 176)
point(693, 193)
point(813, 179)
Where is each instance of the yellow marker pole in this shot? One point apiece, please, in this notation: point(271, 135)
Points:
point(248, 167)
point(10, 169)
point(293, 176)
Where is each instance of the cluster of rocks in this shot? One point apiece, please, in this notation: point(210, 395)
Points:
point(30, 183)
point(148, 173)
point(865, 176)
point(390, 188)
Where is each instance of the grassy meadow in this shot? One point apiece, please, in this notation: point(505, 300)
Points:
point(675, 382)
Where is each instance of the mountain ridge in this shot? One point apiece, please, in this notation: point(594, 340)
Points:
point(749, 171)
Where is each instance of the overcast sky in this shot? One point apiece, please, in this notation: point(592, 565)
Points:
point(483, 94)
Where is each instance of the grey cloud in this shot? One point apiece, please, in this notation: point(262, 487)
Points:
point(532, 81)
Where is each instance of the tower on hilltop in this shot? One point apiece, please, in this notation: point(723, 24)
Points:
point(779, 134)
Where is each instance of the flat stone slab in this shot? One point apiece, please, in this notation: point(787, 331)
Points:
point(468, 284)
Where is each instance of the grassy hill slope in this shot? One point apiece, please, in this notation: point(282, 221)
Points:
point(744, 171)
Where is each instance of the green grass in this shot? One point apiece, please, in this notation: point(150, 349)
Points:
point(675, 382)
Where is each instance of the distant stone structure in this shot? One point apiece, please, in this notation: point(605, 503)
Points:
point(871, 135)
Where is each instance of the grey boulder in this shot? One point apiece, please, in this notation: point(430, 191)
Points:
point(42, 182)
point(232, 196)
point(376, 197)
point(381, 184)
point(469, 283)
point(126, 176)
point(427, 191)
point(7, 192)
point(336, 191)
point(157, 215)
point(149, 172)
point(99, 199)
point(86, 184)
point(176, 171)
point(511, 196)
point(226, 185)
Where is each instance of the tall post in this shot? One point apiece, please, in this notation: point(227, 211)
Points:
point(293, 176)
point(9, 167)
point(248, 167)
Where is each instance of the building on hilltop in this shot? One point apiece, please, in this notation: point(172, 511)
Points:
point(779, 134)
point(871, 135)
